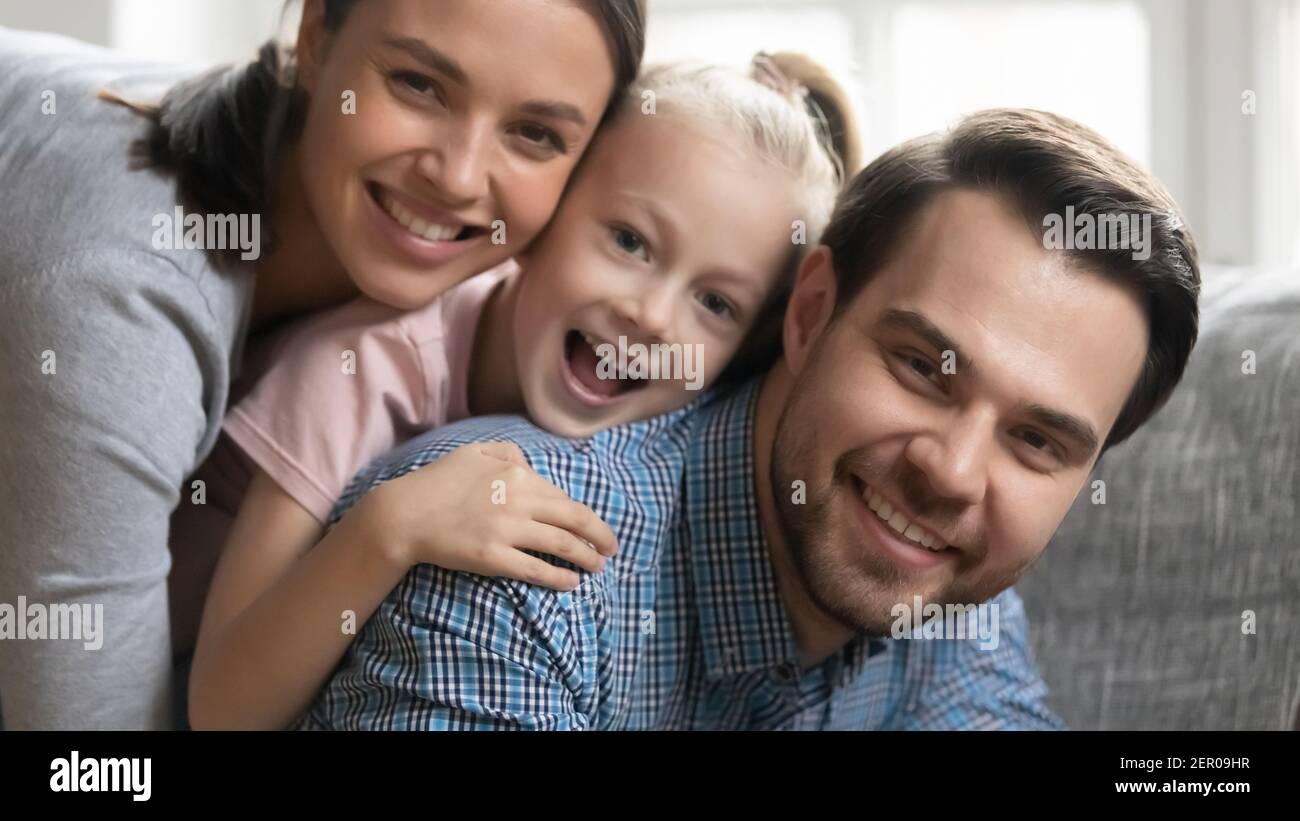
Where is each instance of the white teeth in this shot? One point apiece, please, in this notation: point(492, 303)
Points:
point(900, 523)
point(417, 226)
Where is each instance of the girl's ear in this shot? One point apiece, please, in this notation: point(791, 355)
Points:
point(311, 45)
point(810, 307)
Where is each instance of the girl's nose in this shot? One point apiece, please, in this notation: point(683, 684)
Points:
point(649, 312)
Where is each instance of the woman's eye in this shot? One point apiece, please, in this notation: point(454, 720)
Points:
point(417, 84)
point(630, 243)
point(542, 136)
point(715, 304)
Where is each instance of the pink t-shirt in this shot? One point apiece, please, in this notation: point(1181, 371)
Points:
point(351, 383)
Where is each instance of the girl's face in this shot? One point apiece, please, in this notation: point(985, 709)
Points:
point(440, 136)
point(666, 237)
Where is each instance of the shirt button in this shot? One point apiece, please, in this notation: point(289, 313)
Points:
point(786, 672)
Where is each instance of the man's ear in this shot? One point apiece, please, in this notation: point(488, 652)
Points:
point(810, 307)
point(313, 42)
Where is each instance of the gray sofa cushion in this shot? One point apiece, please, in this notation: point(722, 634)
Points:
point(1136, 606)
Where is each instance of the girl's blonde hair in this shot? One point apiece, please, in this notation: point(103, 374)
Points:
point(795, 115)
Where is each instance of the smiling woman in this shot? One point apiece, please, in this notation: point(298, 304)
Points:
point(392, 152)
point(484, 114)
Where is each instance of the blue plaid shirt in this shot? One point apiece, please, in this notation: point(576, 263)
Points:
point(684, 629)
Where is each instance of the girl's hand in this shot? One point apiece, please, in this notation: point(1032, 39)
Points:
point(477, 509)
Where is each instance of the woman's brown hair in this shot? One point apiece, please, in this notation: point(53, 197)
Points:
point(221, 133)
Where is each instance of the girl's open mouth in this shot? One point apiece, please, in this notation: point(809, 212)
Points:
point(594, 383)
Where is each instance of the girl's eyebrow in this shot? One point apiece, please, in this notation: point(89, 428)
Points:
point(449, 68)
point(663, 223)
point(738, 278)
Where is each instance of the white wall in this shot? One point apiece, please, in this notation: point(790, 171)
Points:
point(205, 31)
point(219, 31)
point(89, 21)
point(1236, 175)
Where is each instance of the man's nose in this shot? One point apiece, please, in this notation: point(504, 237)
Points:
point(457, 170)
point(955, 458)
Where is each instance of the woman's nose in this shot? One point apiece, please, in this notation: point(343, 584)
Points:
point(458, 169)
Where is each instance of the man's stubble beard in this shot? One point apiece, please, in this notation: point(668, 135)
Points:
point(854, 586)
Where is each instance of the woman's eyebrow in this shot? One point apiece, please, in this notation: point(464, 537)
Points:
point(556, 111)
point(431, 57)
point(449, 68)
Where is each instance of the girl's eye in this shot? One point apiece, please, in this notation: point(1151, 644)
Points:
point(416, 83)
point(717, 305)
point(629, 242)
point(542, 137)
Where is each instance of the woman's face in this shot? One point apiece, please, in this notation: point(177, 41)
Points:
point(440, 136)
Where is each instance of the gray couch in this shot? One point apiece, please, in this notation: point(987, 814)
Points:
point(1136, 608)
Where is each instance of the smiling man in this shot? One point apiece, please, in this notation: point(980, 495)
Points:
point(980, 459)
point(946, 384)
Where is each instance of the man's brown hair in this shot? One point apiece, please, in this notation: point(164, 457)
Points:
point(1040, 164)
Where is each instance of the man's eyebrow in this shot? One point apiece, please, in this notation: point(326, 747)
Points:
point(431, 57)
point(1067, 425)
point(445, 65)
point(906, 320)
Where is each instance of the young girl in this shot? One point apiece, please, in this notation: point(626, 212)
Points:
point(677, 230)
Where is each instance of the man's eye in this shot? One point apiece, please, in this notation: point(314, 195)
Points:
point(715, 304)
point(1036, 440)
point(921, 366)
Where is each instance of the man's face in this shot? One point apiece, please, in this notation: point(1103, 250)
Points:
point(964, 394)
